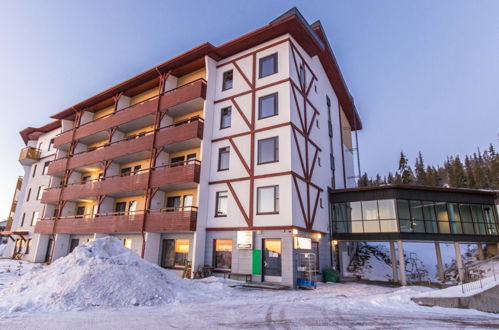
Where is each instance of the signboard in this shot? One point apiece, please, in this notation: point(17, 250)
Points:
point(245, 240)
point(303, 243)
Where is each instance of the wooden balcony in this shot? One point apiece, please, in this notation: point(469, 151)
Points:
point(169, 219)
point(108, 186)
point(183, 95)
point(177, 173)
point(105, 223)
point(176, 134)
point(158, 220)
point(29, 155)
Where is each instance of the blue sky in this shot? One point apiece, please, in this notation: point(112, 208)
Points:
point(424, 74)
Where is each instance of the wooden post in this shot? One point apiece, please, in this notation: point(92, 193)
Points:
point(403, 279)
point(395, 277)
point(459, 262)
point(440, 266)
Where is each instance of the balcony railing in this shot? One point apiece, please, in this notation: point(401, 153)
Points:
point(29, 155)
point(173, 173)
point(147, 106)
point(170, 134)
point(157, 220)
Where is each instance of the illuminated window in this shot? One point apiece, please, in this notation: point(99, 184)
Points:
point(181, 252)
point(127, 242)
point(222, 258)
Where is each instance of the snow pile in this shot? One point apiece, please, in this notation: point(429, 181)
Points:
point(100, 273)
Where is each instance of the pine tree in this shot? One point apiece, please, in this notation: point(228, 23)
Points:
point(404, 170)
point(363, 181)
point(420, 170)
point(459, 179)
point(390, 179)
point(468, 167)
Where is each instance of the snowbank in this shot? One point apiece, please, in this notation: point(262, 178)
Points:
point(100, 273)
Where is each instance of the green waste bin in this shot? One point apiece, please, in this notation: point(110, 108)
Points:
point(330, 275)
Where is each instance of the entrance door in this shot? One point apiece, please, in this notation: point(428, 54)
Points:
point(49, 250)
point(167, 253)
point(272, 260)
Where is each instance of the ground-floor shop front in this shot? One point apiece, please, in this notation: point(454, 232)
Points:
point(275, 256)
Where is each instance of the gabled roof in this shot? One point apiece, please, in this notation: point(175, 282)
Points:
point(32, 133)
point(310, 37)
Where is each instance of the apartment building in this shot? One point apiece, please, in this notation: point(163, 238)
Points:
point(222, 156)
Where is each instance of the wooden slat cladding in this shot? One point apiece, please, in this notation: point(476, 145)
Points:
point(156, 222)
point(105, 224)
point(104, 187)
point(171, 221)
point(180, 133)
point(161, 177)
point(169, 99)
point(175, 175)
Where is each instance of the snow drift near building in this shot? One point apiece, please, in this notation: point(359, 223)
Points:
point(100, 273)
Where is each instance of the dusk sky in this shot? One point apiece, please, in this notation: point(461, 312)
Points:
point(424, 74)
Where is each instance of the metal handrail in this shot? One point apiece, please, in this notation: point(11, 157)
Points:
point(122, 213)
point(141, 102)
point(132, 173)
point(136, 136)
point(476, 278)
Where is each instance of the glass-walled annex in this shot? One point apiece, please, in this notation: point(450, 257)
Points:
point(413, 216)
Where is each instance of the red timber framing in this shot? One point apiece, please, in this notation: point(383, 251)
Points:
point(308, 200)
point(308, 203)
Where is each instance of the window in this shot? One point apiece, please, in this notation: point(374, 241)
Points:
point(126, 171)
point(172, 203)
point(45, 168)
point(28, 246)
point(317, 123)
point(225, 117)
point(191, 158)
point(320, 202)
point(120, 208)
point(319, 161)
point(227, 80)
point(174, 253)
point(29, 194)
point(267, 106)
point(177, 161)
point(187, 203)
point(268, 150)
point(80, 211)
point(223, 158)
point(268, 200)
point(302, 75)
point(132, 207)
point(51, 144)
point(22, 220)
point(34, 171)
point(136, 169)
point(181, 252)
point(222, 258)
point(221, 204)
point(127, 242)
point(34, 218)
point(85, 179)
point(40, 192)
point(268, 65)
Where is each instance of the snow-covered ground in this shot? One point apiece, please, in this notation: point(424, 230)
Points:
point(209, 303)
